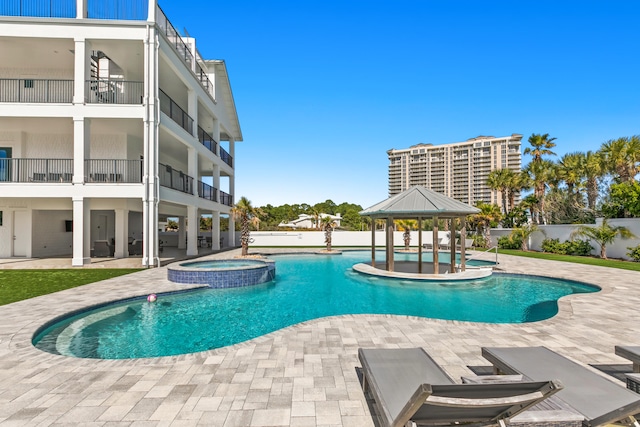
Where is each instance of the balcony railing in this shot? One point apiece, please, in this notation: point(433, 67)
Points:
point(36, 170)
point(226, 157)
point(105, 91)
point(226, 199)
point(113, 171)
point(36, 91)
point(40, 8)
point(203, 77)
point(175, 179)
point(207, 140)
point(177, 114)
point(183, 51)
point(174, 37)
point(205, 191)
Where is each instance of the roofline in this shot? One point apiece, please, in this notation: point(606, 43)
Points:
point(221, 63)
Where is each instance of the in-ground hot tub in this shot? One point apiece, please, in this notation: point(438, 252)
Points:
point(224, 273)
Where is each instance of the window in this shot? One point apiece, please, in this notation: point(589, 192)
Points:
point(28, 83)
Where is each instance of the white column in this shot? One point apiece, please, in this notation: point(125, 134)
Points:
point(216, 135)
point(192, 230)
point(81, 232)
point(232, 178)
point(150, 151)
point(81, 69)
point(182, 232)
point(152, 10)
point(192, 110)
point(215, 230)
point(81, 147)
point(192, 166)
point(232, 231)
point(122, 233)
point(81, 9)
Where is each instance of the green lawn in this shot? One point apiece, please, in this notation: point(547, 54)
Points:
point(611, 263)
point(17, 285)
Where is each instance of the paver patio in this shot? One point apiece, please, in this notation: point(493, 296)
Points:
point(303, 375)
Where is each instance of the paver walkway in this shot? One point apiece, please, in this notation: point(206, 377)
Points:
point(304, 375)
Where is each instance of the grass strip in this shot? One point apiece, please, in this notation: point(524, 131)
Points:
point(18, 285)
point(610, 263)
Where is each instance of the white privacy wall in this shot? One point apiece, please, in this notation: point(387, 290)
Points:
point(618, 249)
point(338, 238)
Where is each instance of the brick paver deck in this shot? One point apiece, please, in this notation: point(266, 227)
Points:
point(303, 375)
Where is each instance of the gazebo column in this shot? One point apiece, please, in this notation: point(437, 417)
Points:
point(389, 239)
point(373, 242)
point(419, 245)
point(463, 243)
point(436, 267)
point(452, 242)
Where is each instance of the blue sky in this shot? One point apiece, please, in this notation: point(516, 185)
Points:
point(324, 89)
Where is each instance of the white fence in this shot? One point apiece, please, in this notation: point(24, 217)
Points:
point(617, 249)
point(338, 238)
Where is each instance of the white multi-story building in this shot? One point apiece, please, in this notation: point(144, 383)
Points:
point(110, 122)
point(458, 170)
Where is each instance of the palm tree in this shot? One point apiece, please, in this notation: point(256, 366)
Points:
point(524, 233)
point(603, 235)
point(247, 215)
point(541, 145)
point(502, 180)
point(622, 157)
point(315, 214)
point(570, 169)
point(593, 169)
point(407, 225)
point(540, 173)
point(489, 215)
point(327, 224)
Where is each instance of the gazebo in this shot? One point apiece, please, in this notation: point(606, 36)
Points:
point(420, 203)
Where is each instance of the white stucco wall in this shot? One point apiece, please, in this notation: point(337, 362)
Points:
point(562, 232)
point(338, 238)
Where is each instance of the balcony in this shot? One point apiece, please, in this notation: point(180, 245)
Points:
point(36, 170)
point(36, 91)
point(205, 191)
point(226, 157)
point(226, 199)
point(183, 51)
point(207, 140)
point(106, 91)
point(113, 171)
point(177, 114)
point(175, 179)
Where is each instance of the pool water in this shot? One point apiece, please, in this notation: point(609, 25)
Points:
point(306, 287)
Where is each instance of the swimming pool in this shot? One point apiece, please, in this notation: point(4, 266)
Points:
point(306, 287)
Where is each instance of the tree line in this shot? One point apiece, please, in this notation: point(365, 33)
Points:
point(576, 188)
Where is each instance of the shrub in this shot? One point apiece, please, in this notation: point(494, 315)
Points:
point(569, 247)
point(634, 253)
point(579, 247)
point(512, 241)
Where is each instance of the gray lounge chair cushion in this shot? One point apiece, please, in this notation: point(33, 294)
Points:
point(600, 401)
point(407, 384)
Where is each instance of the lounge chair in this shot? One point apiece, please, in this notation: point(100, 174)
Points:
point(410, 388)
point(101, 248)
point(631, 352)
point(599, 400)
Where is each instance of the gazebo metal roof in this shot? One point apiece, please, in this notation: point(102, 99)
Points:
point(419, 201)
